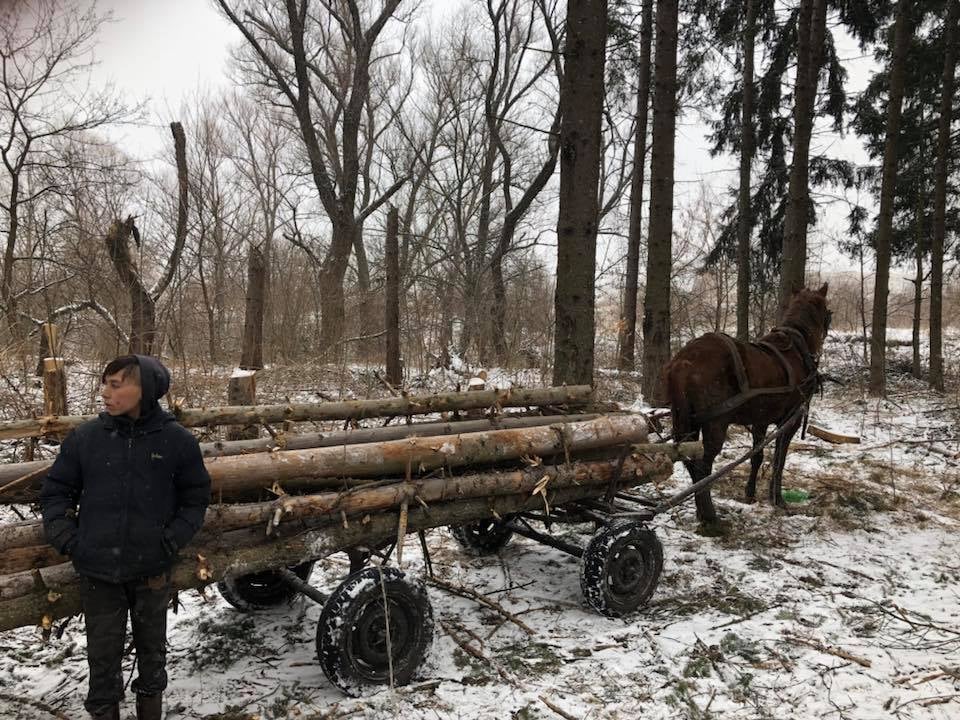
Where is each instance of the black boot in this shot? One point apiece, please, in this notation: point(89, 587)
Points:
point(109, 712)
point(150, 707)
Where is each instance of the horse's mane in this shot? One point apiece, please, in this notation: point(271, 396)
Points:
point(807, 313)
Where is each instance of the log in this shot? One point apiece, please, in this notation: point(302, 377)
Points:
point(574, 395)
point(53, 592)
point(332, 506)
point(34, 472)
point(243, 476)
point(832, 437)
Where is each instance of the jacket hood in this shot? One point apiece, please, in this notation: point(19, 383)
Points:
point(154, 382)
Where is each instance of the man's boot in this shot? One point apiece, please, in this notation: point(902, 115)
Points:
point(150, 707)
point(109, 712)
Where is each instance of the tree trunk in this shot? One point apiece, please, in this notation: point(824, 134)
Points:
point(656, 302)
point(54, 387)
point(142, 309)
point(627, 340)
point(243, 476)
point(7, 295)
point(941, 174)
point(582, 102)
point(53, 592)
point(28, 476)
point(878, 334)
point(574, 395)
point(357, 502)
point(242, 390)
point(333, 269)
point(391, 301)
point(915, 367)
point(811, 27)
point(251, 352)
point(745, 225)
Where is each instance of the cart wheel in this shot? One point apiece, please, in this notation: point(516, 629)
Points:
point(351, 633)
point(262, 590)
point(620, 568)
point(483, 537)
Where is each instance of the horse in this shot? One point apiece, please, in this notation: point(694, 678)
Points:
point(714, 381)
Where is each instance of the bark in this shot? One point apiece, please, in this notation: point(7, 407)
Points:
point(242, 390)
point(581, 103)
point(237, 477)
point(392, 300)
point(811, 27)
point(54, 387)
point(143, 322)
point(298, 512)
point(52, 592)
point(575, 395)
point(35, 471)
point(744, 225)
point(941, 174)
point(49, 345)
point(915, 366)
point(251, 353)
point(656, 302)
point(878, 333)
point(627, 340)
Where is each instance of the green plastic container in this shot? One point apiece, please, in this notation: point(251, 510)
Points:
point(795, 495)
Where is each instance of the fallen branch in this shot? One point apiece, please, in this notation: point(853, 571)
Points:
point(827, 649)
point(471, 595)
point(832, 437)
point(558, 710)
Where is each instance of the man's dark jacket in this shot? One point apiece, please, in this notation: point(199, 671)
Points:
point(141, 487)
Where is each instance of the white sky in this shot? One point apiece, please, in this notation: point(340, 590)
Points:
point(165, 50)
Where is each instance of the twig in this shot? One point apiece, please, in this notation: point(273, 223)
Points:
point(828, 649)
point(558, 710)
point(470, 594)
point(35, 703)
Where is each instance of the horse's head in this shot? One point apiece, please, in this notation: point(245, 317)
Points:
point(808, 313)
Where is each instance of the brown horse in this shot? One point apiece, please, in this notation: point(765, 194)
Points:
point(714, 381)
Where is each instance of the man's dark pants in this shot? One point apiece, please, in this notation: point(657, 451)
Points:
point(106, 606)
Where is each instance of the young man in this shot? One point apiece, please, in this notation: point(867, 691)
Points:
point(142, 489)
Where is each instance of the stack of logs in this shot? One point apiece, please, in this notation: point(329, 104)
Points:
point(335, 490)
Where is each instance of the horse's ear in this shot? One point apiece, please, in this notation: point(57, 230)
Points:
point(823, 289)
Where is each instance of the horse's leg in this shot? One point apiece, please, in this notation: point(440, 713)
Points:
point(759, 432)
point(779, 460)
point(714, 435)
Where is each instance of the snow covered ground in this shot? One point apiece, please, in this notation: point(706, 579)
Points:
point(844, 606)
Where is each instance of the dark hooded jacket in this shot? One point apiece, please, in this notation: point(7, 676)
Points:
point(141, 487)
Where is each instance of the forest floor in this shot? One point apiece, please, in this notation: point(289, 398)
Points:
point(845, 605)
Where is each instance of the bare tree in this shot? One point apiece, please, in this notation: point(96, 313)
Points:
point(903, 31)
point(581, 101)
point(44, 56)
point(941, 174)
point(319, 61)
point(656, 304)
point(627, 339)
point(143, 301)
point(811, 27)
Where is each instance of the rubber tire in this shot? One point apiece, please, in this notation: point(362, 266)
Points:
point(483, 537)
point(350, 616)
point(620, 568)
point(262, 590)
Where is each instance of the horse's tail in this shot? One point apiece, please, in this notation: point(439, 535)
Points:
point(673, 384)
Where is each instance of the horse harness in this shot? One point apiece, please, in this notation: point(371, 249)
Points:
point(806, 386)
